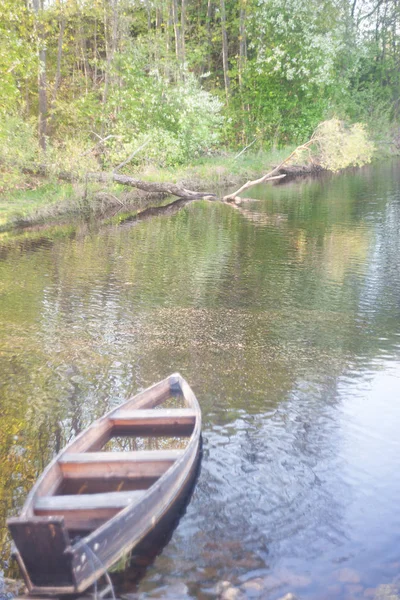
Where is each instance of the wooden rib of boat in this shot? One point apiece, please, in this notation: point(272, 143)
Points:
point(89, 507)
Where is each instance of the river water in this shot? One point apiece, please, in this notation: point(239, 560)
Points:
point(284, 316)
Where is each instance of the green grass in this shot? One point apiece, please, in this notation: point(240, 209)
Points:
point(218, 170)
point(19, 204)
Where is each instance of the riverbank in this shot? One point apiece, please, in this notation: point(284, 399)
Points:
point(271, 311)
point(46, 200)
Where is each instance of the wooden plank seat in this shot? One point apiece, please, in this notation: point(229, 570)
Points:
point(86, 511)
point(172, 421)
point(107, 502)
point(87, 501)
point(113, 465)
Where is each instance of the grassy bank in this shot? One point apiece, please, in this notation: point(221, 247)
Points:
point(47, 200)
point(221, 171)
point(18, 204)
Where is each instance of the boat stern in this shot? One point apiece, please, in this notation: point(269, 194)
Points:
point(43, 552)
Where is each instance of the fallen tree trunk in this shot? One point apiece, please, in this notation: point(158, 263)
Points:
point(171, 189)
point(235, 196)
point(294, 171)
point(268, 176)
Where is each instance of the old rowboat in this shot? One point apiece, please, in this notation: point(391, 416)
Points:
point(92, 505)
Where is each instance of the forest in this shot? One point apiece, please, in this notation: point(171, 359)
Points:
point(112, 84)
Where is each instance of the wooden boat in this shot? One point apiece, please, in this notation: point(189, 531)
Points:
point(91, 506)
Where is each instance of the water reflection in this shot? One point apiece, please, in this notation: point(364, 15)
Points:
point(284, 316)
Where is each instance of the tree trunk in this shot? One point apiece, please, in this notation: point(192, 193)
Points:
point(170, 189)
point(183, 23)
point(42, 79)
point(176, 30)
point(57, 79)
point(159, 18)
point(209, 36)
point(111, 46)
point(148, 10)
point(85, 61)
point(95, 52)
point(27, 99)
point(272, 175)
point(225, 50)
point(242, 41)
point(384, 38)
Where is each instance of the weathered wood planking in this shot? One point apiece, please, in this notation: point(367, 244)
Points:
point(178, 422)
point(133, 523)
point(44, 537)
point(153, 396)
point(123, 465)
point(92, 502)
point(117, 518)
point(99, 485)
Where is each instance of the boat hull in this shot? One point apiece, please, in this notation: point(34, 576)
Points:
point(52, 562)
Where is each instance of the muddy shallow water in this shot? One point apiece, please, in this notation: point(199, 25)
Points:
point(284, 315)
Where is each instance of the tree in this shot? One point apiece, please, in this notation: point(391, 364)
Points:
point(42, 75)
point(225, 62)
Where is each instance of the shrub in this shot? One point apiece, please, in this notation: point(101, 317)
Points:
point(339, 145)
point(18, 149)
point(181, 119)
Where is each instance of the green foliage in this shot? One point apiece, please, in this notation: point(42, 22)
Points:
point(119, 72)
point(291, 68)
point(81, 113)
point(298, 40)
point(70, 155)
point(338, 145)
point(281, 114)
point(181, 120)
point(17, 62)
point(18, 148)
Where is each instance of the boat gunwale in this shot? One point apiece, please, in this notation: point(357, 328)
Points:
point(177, 474)
point(193, 439)
point(28, 506)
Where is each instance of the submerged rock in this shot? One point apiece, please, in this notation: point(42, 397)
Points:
point(383, 592)
point(232, 593)
point(175, 591)
point(258, 586)
point(224, 590)
point(254, 586)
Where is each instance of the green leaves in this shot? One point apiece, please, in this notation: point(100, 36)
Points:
point(181, 119)
point(111, 70)
point(339, 145)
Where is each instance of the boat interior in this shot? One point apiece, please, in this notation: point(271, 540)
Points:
point(114, 464)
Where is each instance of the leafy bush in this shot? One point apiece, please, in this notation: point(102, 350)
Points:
point(338, 145)
point(17, 60)
point(181, 120)
point(290, 74)
point(72, 155)
point(18, 149)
